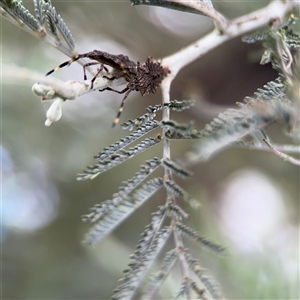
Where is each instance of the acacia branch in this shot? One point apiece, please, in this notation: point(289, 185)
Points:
point(285, 157)
point(265, 147)
point(168, 176)
point(236, 27)
point(275, 10)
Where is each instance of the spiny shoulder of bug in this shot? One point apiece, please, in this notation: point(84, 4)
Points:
point(149, 75)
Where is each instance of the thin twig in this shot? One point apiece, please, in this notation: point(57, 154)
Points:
point(263, 147)
point(168, 175)
point(282, 155)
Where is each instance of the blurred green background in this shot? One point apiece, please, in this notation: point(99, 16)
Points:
point(250, 199)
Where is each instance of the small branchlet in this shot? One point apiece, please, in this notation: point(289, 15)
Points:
point(210, 285)
point(197, 238)
point(175, 212)
point(199, 292)
point(99, 210)
point(121, 211)
point(140, 264)
point(56, 21)
point(179, 106)
point(184, 288)
point(181, 172)
point(138, 133)
point(180, 131)
point(151, 111)
point(174, 189)
point(157, 279)
point(116, 159)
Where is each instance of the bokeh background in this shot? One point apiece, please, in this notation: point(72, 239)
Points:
point(250, 199)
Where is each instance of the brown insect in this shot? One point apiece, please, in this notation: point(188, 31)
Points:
point(143, 78)
point(120, 62)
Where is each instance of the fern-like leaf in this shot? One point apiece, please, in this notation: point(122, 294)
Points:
point(174, 189)
point(149, 233)
point(152, 110)
point(139, 132)
point(175, 212)
point(181, 128)
point(198, 291)
point(20, 14)
point(197, 238)
point(177, 135)
point(256, 36)
point(140, 265)
point(99, 210)
point(116, 159)
point(121, 211)
point(172, 166)
point(184, 287)
point(38, 8)
point(179, 106)
point(56, 20)
point(210, 285)
point(230, 126)
point(180, 131)
point(278, 100)
point(144, 119)
point(156, 280)
point(291, 38)
point(51, 25)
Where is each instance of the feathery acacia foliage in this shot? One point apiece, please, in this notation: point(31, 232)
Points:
point(56, 22)
point(210, 285)
point(59, 35)
point(139, 132)
point(109, 214)
point(277, 100)
point(152, 110)
point(121, 210)
point(116, 159)
point(157, 279)
point(268, 104)
point(195, 237)
point(100, 209)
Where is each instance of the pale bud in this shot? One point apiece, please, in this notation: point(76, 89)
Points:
point(54, 112)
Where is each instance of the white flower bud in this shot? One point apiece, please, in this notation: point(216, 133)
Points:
point(47, 92)
point(54, 112)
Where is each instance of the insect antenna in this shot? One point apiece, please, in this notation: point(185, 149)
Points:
point(66, 63)
point(117, 119)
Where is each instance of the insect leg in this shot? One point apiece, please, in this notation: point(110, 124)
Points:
point(120, 74)
point(113, 90)
point(66, 63)
point(87, 65)
point(116, 121)
point(109, 78)
point(98, 72)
